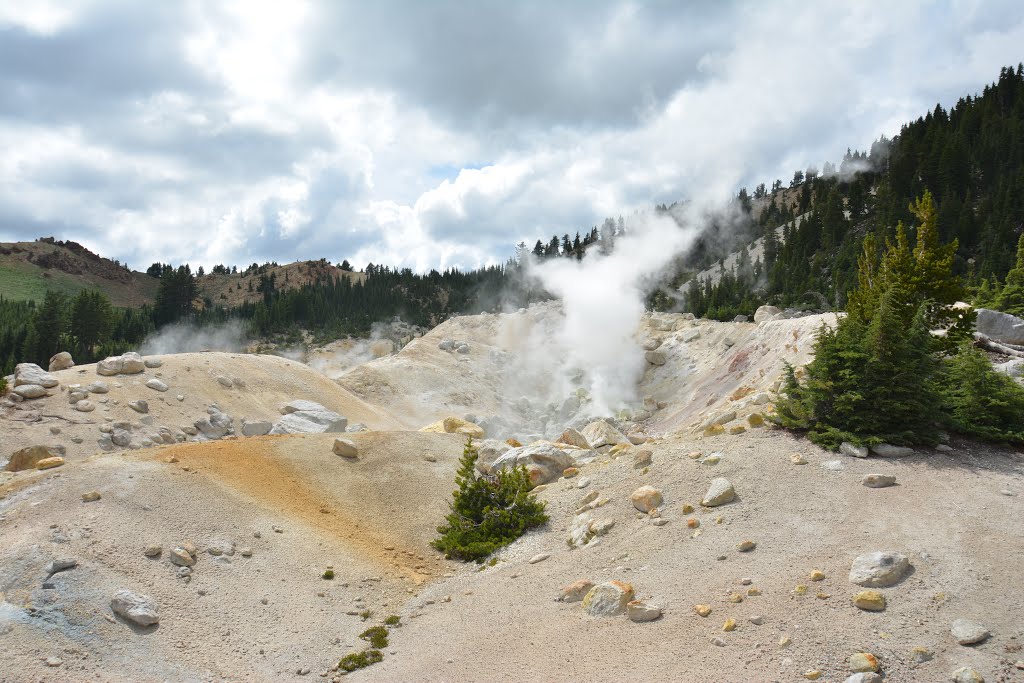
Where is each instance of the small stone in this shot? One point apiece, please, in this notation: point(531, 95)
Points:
point(753, 591)
point(817, 575)
point(91, 496)
point(800, 589)
point(879, 569)
point(608, 599)
point(729, 625)
point(920, 655)
point(878, 481)
point(346, 448)
point(570, 472)
point(756, 619)
point(646, 498)
point(245, 552)
point(785, 641)
point(181, 557)
point(718, 642)
point(575, 591)
point(694, 455)
point(153, 362)
point(539, 558)
point(702, 610)
point(966, 674)
point(661, 521)
point(687, 508)
point(139, 609)
point(139, 406)
point(712, 459)
point(583, 482)
point(640, 611)
point(53, 661)
point(862, 662)
point(719, 492)
point(735, 598)
point(152, 551)
point(797, 459)
point(224, 381)
point(868, 677)
point(968, 632)
point(847, 448)
point(746, 546)
point(813, 674)
point(157, 385)
point(49, 463)
point(869, 600)
point(642, 459)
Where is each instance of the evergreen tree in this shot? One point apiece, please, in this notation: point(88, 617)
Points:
point(92, 319)
point(1010, 297)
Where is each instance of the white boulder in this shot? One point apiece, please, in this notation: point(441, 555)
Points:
point(136, 608)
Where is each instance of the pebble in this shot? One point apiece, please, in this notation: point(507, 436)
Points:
point(862, 662)
point(797, 459)
point(878, 481)
point(879, 569)
point(746, 546)
point(583, 482)
point(817, 575)
point(639, 611)
point(660, 522)
point(539, 558)
point(712, 459)
point(756, 619)
point(813, 674)
point(181, 557)
point(966, 674)
point(702, 610)
point(719, 492)
point(869, 677)
point(718, 642)
point(967, 632)
point(833, 465)
point(152, 551)
point(91, 496)
point(869, 600)
point(54, 661)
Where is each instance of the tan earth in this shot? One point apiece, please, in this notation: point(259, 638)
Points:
point(272, 617)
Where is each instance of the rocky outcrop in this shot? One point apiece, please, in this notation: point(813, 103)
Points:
point(1002, 327)
point(28, 458)
point(307, 417)
point(544, 462)
point(129, 363)
point(26, 374)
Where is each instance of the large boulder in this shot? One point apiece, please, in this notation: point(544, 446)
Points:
point(129, 363)
point(30, 391)
point(765, 313)
point(30, 373)
point(544, 462)
point(488, 451)
point(28, 458)
point(214, 426)
point(61, 361)
point(600, 433)
point(307, 417)
point(571, 437)
point(608, 599)
point(455, 425)
point(1001, 327)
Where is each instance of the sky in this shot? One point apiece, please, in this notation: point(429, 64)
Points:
point(440, 133)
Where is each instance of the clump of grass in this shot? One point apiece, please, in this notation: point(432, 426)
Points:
point(376, 636)
point(360, 660)
point(393, 620)
point(329, 574)
point(365, 614)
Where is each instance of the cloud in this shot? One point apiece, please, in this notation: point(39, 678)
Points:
point(431, 135)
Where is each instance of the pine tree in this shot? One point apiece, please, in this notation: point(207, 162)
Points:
point(1011, 296)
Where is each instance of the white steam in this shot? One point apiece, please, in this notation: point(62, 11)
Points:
point(184, 338)
point(603, 302)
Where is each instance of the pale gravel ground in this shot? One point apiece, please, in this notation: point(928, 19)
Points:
point(374, 518)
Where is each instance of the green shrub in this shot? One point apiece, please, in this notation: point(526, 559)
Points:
point(329, 574)
point(376, 636)
point(393, 620)
point(487, 512)
point(979, 401)
point(365, 614)
point(3, 386)
point(360, 660)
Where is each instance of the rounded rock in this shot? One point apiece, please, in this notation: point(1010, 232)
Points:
point(646, 498)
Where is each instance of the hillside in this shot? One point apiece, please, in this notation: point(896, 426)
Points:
point(28, 269)
point(233, 289)
point(267, 515)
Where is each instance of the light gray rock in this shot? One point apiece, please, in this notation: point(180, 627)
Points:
point(719, 492)
point(488, 451)
point(30, 373)
point(129, 363)
point(139, 406)
point(1001, 327)
point(740, 319)
point(97, 388)
point(765, 313)
point(879, 569)
point(346, 448)
point(157, 385)
point(29, 391)
point(656, 357)
point(870, 677)
point(85, 406)
point(847, 448)
point(885, 450)
point(878, 481)
point(257, 428)
point(181, 557)
point(136, 608)
point(60, 565)
point(299, 405)
point(214, 426)
point(318, 420)
point(76, 396)
point(690, 335)
point(462, 348)
point(586, 530)
point(446, 345)
point(608, 599)
point(640, 611)
point(544, 462)
point(356, 427)
point(153, 362)
point(225, 381)
point(61, 361)
point(967, 632)
point(966, 674)
point(121, 437)
point(599, 433)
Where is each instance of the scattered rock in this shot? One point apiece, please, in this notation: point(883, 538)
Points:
point(646, 498)
point(1000, 326)
point(746, 546)
point(878, 481)
point(869, 600)
point(571, 437)
point(97, 388)
point(879, 569)
point(31, 374)
point(157, 385)
point(181, 557)
point(718, 642)
point(60, 565)
point(869, 677)
point(27, 458)
point(53, 661)
point(139, 406)
point(847, 448)
point(91, 496)
point(258, 428)
point(49, 463)
point(311, 418)
point(797, 459)
point(756, 619)
point(152, 551)
point(719, 492)
point(640, 611)
point(346, 448)
point(966, 674)
point(139, 609)
point(608, 599)
point(863, 662)
point(655, 357)
point(575, 591)
point(29, 391)
point(642, 459)
point(84, 406)
point(544, 462)
point(967, 632)
point(600, 433)
point(765, 313)
point(61, 361)
point(585, 530)
point(225, 381)
point(539, 558)
point(127, 364)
